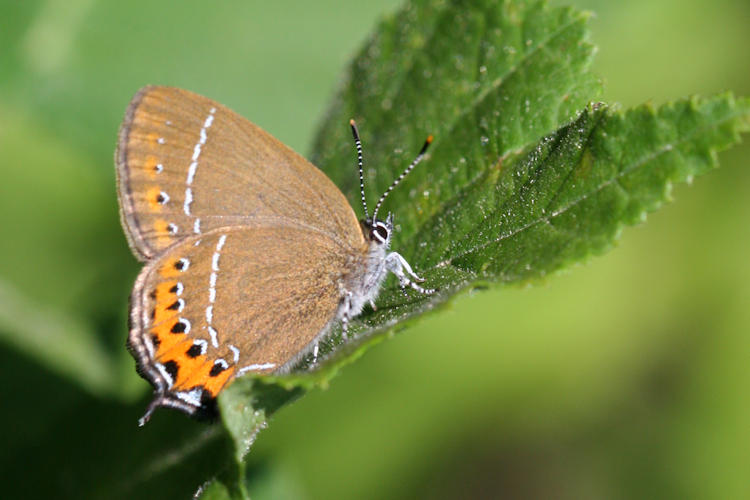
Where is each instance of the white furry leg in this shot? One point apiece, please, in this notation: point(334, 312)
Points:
point(316, 350)
point(397, 265)
point(346, 316)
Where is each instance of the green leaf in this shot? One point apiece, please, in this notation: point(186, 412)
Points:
point(246, 407)
point(570, 195)
point(525, 177)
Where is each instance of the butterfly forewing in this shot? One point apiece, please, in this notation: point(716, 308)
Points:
point(187, 165)
point(236, 299)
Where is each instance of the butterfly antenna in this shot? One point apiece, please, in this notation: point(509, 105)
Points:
point(358, 143)
point(401, 177)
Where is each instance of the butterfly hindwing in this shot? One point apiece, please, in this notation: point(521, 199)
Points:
point(233, 300)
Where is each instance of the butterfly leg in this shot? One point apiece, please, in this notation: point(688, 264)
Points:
point(316, 350)
point(346, 315)
point(396, 264)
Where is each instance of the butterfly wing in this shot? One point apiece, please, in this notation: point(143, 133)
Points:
point(187, 165)
point(230, 301)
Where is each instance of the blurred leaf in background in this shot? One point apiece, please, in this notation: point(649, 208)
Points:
point(623, 378)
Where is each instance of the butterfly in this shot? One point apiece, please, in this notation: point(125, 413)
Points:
point(251, 253)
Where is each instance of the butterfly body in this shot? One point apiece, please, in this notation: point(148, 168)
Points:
point(252, 253)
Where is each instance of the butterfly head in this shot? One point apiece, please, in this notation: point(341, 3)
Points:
point(378, 231)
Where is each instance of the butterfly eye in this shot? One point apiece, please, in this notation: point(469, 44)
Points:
point(379, 233)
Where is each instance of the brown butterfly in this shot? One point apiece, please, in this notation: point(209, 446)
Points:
point(251, 252)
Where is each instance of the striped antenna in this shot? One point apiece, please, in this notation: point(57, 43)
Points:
point(358, 143)
point(401, 177)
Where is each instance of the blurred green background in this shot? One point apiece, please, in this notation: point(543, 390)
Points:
point(625, 377)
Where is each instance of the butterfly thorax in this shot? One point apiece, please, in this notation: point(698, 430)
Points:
point(364, 282)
